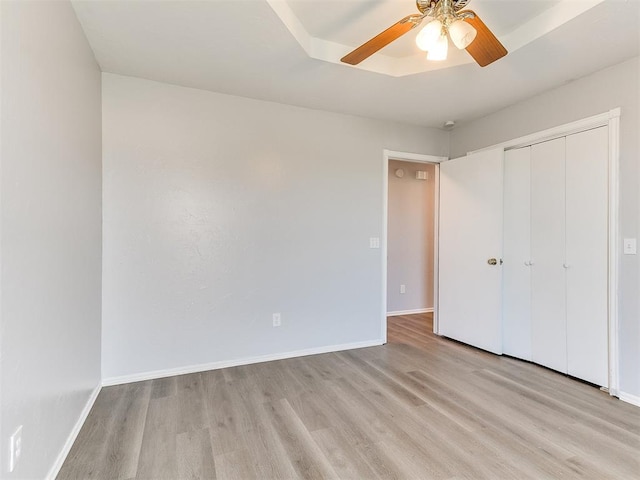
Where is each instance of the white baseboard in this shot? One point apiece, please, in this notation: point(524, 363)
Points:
point(55, 469)
point(409, 312)
point(137, 377)
point(627, 397)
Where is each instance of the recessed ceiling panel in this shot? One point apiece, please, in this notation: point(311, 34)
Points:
point(353, 22)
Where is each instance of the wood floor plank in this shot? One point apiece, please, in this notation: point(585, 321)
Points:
point(343, 457)
point(194, 455)
point(305, 456)
point(224, 411)
point(419, 407)
point(125, 438)
point(270, 457)
point(236, 465)
point(345, 418)
point(164, 387)
point(158, 454)
point(88, 456)
point(191, 412)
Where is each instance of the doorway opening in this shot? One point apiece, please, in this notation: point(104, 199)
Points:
point(410, 249)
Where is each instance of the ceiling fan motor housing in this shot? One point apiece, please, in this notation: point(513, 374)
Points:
point(425, 5)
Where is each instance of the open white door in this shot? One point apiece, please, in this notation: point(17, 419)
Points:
point(470, 284)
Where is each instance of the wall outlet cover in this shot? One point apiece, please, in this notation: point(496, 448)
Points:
point(15, 448)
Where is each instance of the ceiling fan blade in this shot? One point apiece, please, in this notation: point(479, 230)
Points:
point(382, 39)
point(486, 48)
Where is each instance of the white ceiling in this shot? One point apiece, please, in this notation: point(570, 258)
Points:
point(243, 47)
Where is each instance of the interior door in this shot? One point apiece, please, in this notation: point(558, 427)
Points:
point(470, 238)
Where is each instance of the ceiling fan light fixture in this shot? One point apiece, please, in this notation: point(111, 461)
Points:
point(446, 21)
point(439, 51)
point(429, 35)
point(462, 34)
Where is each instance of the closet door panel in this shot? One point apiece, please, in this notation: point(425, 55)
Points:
point(587, 250)
point(516, 326)
point(548, 301)
point(470, 233)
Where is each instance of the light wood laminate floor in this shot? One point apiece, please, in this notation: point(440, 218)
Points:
point(420, 407)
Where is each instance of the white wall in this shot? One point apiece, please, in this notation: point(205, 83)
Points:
point(617, 86)
point(221, 210)
point(411, 209)
point(50, 229)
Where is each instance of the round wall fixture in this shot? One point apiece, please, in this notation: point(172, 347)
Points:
point(400, 173)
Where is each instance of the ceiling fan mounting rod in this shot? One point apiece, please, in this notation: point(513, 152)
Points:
point(446, 12)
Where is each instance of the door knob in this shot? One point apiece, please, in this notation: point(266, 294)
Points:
point(492, 261)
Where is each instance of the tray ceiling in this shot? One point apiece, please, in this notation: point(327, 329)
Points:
point(244, 48)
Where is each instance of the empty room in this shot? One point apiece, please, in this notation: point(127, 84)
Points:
point(304, 239)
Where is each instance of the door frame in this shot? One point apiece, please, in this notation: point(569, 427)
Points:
point(610, 119)
point(388, 155)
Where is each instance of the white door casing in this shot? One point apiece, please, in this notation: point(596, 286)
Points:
point(388, 155)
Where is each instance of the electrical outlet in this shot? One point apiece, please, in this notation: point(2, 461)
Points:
point(403, 289)
point(276, 320)
point(15, 448)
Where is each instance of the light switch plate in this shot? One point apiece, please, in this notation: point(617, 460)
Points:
point(374, 242)
point(15, 448)
point(630, 246)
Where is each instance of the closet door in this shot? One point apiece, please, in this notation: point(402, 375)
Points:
point(548, 290)
point(516, 326)
point(587, 264)
point(470, 246)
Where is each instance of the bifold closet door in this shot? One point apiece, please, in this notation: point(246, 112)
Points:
point(548, 288)
point(587, 252)
point(516, 309)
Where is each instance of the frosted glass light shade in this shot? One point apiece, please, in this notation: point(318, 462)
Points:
point(428, 36)
point(462, 34)
point(439, 50)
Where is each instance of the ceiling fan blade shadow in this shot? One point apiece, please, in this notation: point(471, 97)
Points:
point(381, 40)
point(486, 48)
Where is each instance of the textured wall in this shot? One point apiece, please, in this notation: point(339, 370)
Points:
point(51, 229)
point(220, 211)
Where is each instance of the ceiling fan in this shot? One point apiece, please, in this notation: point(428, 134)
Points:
point(464, 27)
